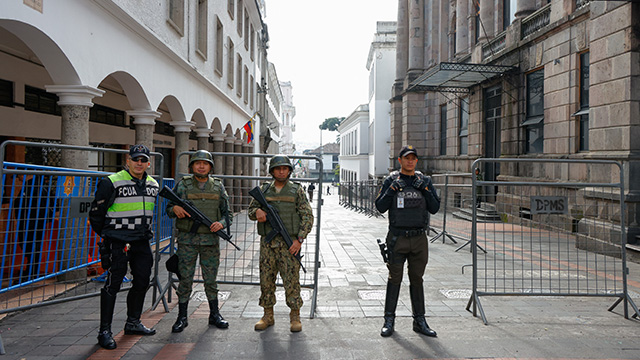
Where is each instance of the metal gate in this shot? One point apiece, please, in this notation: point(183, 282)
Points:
point(242, 266)
point(48, 252)
point(556, 236)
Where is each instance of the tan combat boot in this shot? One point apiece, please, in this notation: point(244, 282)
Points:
point(266, 321)
point(296, 325)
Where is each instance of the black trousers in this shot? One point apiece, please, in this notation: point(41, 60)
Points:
point(415, 251)
point(140, 259)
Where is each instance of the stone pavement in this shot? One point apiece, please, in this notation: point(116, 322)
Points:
point(347, 322)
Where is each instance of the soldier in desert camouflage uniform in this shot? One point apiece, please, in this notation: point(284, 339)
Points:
point(209, 196)
point(291, 202)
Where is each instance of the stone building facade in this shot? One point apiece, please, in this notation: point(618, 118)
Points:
point(528, 79)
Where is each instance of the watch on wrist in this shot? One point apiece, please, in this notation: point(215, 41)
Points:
point(300, 240)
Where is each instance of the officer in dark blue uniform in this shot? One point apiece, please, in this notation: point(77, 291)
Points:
point(410, 197)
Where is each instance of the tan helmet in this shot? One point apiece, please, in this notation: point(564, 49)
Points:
point(203, 155)
point(280, 160)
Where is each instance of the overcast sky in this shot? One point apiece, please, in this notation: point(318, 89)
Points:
point(321, 47)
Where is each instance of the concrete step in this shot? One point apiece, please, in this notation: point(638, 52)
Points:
point(485, 213)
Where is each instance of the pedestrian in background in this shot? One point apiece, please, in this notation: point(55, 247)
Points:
point(122, 214)
point(210, 197)
point(276, 257)
point(310, 191)
point(410, 197)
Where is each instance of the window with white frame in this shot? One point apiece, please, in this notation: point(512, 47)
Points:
point(176, 15)
point(219, 47)
point(201, 28)
point(230, 62)
point(239, 76)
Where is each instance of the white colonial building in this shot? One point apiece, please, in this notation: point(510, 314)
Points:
point(287, 125)
point(175, 75)
point(364, 135)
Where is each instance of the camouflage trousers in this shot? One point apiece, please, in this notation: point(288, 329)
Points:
point(209, 263)
point(272, 261)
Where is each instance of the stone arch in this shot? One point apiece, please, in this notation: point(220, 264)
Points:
point(58, 65)
point(174, 107)
point(228, 130)
point(199, 118)
point(137, 97)
point(216, 126)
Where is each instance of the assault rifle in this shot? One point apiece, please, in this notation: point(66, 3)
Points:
point(275, 221)
point(196, 215)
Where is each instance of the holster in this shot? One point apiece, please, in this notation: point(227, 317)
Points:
point(104, 247)
point(391, 244)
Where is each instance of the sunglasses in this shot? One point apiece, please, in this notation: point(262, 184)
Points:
point(140, 159)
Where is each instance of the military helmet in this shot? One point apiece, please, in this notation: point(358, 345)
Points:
point(203, 155)
point(280, 160)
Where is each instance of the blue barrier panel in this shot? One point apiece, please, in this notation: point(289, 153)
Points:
point(42, 236)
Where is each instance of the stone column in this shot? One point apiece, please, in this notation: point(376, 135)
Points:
point(75, 102)
point(228, 166)
point(402, 65)
point(487, 12)
point(145, 121)
point(402, 41)
point(237, 170)
point(247, 148)
point(413, 122)
point(203, 138)
point(218, 160)
point(525, 8)
point(416, 39)
point(462, 27)
point(182, 130)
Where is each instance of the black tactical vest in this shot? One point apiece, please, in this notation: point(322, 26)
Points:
point(409, 209)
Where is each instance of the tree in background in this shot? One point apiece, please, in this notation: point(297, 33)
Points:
point(332, 124)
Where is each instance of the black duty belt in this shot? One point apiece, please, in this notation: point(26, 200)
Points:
point(407, 232)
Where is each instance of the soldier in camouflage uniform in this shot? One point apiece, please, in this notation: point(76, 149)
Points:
point(291, 202)
point(209, 196)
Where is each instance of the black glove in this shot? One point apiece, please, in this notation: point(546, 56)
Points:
point(419, 183)
point(397, 185)
point(105, 254)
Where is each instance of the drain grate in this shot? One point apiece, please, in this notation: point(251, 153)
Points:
point(304, 294)
point(201, 296)
point(456, 293)
point(371, 294)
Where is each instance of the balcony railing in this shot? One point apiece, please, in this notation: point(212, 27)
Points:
point(494, 46)
point(581, 3)
point(536, 21)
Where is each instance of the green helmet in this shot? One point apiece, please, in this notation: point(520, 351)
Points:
point(203, 155)
point(280, 160)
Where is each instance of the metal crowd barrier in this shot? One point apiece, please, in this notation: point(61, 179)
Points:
point(360, 196)
point(561, 237)
point(48, 252)
point(241, 267)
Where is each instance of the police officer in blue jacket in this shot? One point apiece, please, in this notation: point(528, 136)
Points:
point(409, 196)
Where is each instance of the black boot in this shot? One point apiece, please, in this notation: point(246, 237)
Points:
point(135, 303)
point(390, 303)
point(105, 337)
point(182, 321)
point(417, 303)
point(135, 327)
point(214, 315)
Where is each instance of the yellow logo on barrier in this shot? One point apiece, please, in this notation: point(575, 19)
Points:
point(69, 184)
